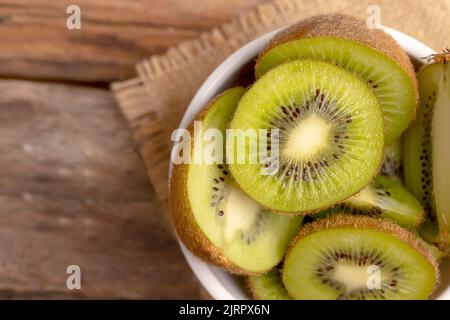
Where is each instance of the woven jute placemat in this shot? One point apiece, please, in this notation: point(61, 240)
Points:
point(155, 100)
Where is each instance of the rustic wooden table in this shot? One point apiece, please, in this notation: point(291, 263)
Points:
point(72, 188)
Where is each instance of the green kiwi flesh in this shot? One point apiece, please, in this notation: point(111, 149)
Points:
point(330, 128)
point(392, 85)
point(267, 286)
point(426, 152)
point(392, 162)
point(386, 198)
point(437, 253)
point(232, 230)
point(337, 257)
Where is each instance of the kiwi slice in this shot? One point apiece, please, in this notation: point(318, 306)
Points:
point(426, 149)
point(213, 218)
point(392, 162)
point(437, 253)
point(386, 198)
point(370, 53)
point(330, 131)
point(356, 257)
point(267, 286)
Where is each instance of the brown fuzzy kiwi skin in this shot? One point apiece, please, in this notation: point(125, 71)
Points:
point(349, 28)
point(183, 220)
point(186, 227)
point(442, 58)
point(342, 220)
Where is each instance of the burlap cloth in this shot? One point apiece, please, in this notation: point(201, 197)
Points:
point(155, 100)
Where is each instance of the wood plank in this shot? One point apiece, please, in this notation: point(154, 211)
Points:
point(74, 191)
point(114, 34)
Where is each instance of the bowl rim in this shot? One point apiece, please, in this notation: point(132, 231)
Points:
point(220, 284)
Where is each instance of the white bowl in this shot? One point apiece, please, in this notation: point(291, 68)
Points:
point(219, 283)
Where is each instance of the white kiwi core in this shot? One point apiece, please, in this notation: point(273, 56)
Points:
point(353, 277)
point(240, 213)
point(309, 137)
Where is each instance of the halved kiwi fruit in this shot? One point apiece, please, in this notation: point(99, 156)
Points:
point(392, 162)
point(213, 218)
point(426, 150)
point(385, 198)
point(356, 257)
point(267, 286)
point(330, 133)
point(347, 42)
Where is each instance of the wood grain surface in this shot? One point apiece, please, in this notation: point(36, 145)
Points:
point(114, 35)
point(74, 191)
